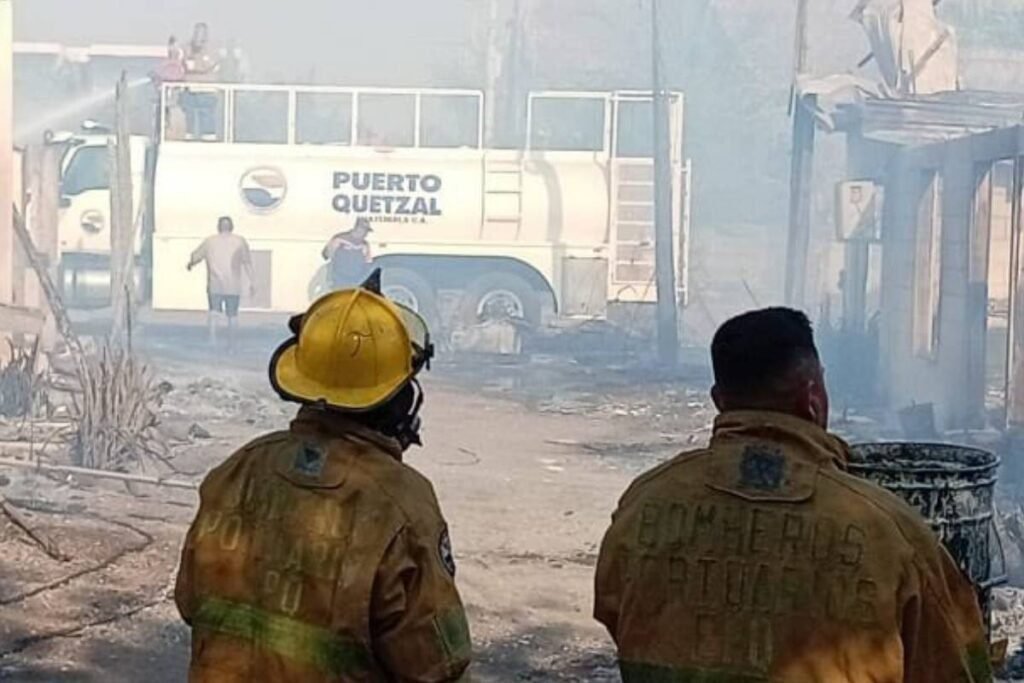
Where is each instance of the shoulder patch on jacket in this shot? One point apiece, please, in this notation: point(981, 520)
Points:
point(762, 468)
point(762, 472)
point(309, 460)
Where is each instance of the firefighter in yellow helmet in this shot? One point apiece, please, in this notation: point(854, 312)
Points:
point(316, 554)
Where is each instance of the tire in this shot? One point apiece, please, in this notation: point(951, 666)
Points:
point(497, 296)
point(412, 290)
point(320, 284)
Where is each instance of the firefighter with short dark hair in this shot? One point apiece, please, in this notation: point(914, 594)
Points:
point(316, 554)
point(760, 559)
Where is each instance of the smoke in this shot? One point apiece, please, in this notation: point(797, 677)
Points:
point(392, 41)
point(733, 60)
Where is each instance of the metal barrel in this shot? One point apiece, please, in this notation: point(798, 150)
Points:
point(953, 487)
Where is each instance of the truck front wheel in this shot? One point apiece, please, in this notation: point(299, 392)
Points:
point(409, 288)
point(500, 297)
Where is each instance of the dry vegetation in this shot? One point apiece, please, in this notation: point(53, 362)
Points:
point(115, 417)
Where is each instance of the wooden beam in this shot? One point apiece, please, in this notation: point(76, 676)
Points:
point(122, 217)
point(955, 347)
point(988, 146)
point(99, 474)
point(6, 152)
point(856, 259)
point(1015, 332)
point(978, 294)
point(48, 545)
point(53, 298)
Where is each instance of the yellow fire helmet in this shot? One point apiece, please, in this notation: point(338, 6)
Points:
point(353, 350)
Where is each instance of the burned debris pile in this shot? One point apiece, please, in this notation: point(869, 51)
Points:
point(22, 390)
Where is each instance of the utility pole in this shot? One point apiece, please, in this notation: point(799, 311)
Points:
point(799, 46)
point(501, 96)
point(665, 269)
point(801, 169)
point(6, 151)
point(495, 53)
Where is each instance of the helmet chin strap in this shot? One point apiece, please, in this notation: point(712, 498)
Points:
point(407, 431)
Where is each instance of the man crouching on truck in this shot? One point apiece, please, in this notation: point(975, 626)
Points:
point(760, 559)
point(228, 260)
point(348, 255)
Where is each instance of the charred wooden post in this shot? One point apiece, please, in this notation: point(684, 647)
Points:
point(42, 213)
point(122, 216)
point(50, 290)
point(978, 296)
point(6, 153)
point(1015, 350)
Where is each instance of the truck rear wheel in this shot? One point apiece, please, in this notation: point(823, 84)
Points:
point(409, 288)
point(500, 296)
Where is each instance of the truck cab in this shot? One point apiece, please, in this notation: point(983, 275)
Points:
point(83, 231)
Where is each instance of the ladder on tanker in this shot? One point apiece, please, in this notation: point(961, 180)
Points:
point(633, 217)
point(503, 198)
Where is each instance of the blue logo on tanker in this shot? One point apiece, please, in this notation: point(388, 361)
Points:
point(388, 197)
point(263, 188)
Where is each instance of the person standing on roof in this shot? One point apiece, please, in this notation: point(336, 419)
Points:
point(761, 559)
point(228, 269)
point(201, 66)
point(172, 68)
point(316, 554)
point(348, 255)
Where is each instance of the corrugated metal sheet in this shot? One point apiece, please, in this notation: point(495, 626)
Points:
point(933, 117)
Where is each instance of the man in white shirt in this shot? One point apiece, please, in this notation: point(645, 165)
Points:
point(228, 261)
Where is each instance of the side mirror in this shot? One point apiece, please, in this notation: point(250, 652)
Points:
point(65, 202)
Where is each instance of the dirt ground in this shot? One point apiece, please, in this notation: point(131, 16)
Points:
point(528, 459)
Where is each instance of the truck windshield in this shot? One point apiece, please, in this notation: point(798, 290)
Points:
point(87, 170)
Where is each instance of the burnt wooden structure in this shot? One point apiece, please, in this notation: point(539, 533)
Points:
point(934, 157)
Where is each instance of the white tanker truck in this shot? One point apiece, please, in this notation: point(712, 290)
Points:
point(558, 229)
